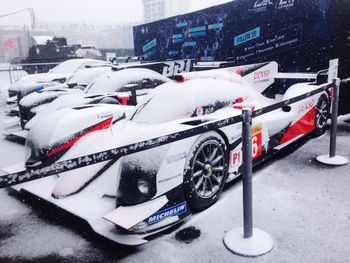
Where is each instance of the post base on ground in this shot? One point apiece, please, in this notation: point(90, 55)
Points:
point(259, 244)
point(336, 160)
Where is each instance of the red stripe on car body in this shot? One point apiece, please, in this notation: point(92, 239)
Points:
point(101, 126)
point(303, 126)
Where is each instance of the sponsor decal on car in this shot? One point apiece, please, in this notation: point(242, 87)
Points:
point(236, 156)
point(168, 212)
point(306, 106)
point(172, 68)
point(199, 111)
point(139, 226)
point(261, 74)
point(176, 157)
point(169, 178)
point(256, 141)
point(104, 115)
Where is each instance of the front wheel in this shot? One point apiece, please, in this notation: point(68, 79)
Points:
point(321, 115)
point(205, 171)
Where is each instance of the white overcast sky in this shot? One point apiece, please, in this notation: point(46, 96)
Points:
point(78, 11)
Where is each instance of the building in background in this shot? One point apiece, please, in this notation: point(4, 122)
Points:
point(158, 9)
point(15, 41)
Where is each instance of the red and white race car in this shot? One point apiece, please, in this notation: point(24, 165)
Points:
point(128, 199)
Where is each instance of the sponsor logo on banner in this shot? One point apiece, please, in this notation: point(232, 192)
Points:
point(169, 212)
point(283, 4)
point(149, 45)
point(261, 5)
point(247, 36)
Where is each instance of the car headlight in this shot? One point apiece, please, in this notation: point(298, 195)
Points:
point(143, 186)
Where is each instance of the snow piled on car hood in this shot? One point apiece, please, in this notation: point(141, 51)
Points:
point(173, 101)
point(36, 78)
point(52, 128)
point(114, 80)
point(35, 98)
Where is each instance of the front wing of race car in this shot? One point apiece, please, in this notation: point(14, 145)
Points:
point(128, 225)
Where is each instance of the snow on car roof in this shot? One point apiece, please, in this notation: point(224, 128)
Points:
point(173, 101)
point(113, 80)
point(86, 75)
point(71, 65)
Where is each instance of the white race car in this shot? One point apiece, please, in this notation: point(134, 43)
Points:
point(109, 86)
point(59, 74)
point(128, 199)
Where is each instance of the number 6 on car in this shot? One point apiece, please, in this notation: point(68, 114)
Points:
point(236, 156)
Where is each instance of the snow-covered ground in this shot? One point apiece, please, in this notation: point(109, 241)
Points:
point(5, 79)
point(303, 205)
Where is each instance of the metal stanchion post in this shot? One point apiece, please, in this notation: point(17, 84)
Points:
point(332, 158)
point(248, 241)
point(247, 174)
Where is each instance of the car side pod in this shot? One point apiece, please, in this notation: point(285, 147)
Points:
point(332, 158)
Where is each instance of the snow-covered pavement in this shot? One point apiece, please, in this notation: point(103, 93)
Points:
point(303, 205)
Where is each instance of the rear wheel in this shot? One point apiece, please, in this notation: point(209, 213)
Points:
point(321, 115)
point(206, 171)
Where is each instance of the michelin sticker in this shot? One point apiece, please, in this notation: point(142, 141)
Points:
point(169, 212)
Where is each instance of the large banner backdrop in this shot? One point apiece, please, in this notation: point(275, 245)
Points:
point(294, 33)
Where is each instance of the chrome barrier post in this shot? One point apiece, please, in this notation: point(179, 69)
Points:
point(247, 173)
point(332, 158)
point(249, 241)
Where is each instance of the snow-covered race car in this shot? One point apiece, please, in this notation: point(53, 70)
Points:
point(128, 199)
point(57, 75)
point(112, 87)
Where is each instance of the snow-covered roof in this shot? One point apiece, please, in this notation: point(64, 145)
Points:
point(42, 40)
point(114, 80)
point(71, 65)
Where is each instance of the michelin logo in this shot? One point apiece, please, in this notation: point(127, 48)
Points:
point(169, 212)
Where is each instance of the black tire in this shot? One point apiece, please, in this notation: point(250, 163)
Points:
point(321, 115)
point(205, 171)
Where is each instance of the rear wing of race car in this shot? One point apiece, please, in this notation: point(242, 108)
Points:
point(166, 68)
point(260, 75)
